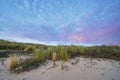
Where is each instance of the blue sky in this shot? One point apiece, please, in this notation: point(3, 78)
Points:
point(85, 22)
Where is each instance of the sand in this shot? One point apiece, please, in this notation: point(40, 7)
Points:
point(74, 69)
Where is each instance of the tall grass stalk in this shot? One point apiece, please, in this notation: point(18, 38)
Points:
point(54, 57)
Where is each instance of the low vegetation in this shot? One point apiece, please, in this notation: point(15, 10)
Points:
point(63, 56)
point(41, 53)
point(30, 48)
point(13, 60)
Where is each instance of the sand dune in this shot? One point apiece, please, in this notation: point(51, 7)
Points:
point(74, 69)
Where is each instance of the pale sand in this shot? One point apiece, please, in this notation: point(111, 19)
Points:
point(75, 69)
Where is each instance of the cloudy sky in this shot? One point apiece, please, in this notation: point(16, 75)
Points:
point(85, 22)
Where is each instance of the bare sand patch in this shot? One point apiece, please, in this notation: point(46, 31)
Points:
point(74, 69)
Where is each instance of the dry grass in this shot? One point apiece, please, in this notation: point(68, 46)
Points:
point(30, 49)
point(54, 58)
point(13, 61)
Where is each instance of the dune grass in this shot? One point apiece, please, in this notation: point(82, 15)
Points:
point(30, 48)
point(63, 53)
point(39, 55)
point(63, 56)
point(42, 53)
point(13, 61)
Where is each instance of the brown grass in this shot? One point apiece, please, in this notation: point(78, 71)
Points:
point(13, 61)
point(54, 57)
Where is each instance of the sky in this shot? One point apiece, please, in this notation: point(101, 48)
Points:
point(80, 22)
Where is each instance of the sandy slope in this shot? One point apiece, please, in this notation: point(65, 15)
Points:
point(75, 69)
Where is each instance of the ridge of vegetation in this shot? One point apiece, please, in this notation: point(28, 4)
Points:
point(40, 53)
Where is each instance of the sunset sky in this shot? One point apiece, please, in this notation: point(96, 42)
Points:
point(81, 22)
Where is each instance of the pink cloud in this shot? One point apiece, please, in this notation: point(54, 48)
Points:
point(77, 38)
point(104, 34)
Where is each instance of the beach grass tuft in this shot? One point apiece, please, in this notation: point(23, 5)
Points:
point(13, 61)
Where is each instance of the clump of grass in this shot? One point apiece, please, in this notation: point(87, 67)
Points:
point(30, 49)
point(63, 57)
point(13, 62)
point(29, 64)
point(34, 62)
point(26, 65)
point(54, 57)
point(39, 55)
point(50, 51)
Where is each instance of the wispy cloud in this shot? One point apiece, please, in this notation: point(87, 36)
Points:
point(62, 22)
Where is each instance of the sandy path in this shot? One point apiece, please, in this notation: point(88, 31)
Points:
point(4, 72)
point(75, 69)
